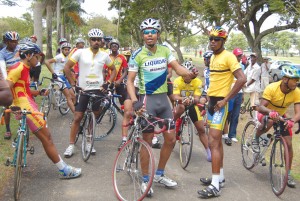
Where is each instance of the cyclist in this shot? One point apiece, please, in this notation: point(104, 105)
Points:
point(206, 56)
point(90, 62)
point(18, 80)
point(9, 56)
point(188, 91)
point(61, 41)
point(275, 101)
point(150, 63)
point(223, 68)
point(57, 72)
point(6, 97)
point(35, 72)
point(79, 45)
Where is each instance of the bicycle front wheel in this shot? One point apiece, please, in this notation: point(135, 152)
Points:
point(19, 166)
point(279, 166)
point(63, 105)
point(134, 160)
point(186, 142)
point(88, 136)
point(248, 155)
point(105, 124)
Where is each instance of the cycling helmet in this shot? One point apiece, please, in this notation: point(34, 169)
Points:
point(114, 41)
point(65, 45)
point(11, 35)
point(218, 32)
point(207, 54)
point(127, 53)
point(25, 40)
point(95, 33)
point(290, 71)
point(33, 36)
point(29, 48)
point(237, 51)
point(62, 40)
point(188, 65)
point(150, 23)
point(79, 40)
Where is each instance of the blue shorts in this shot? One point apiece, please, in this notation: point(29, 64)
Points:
point(217, 119)
point(62, 78)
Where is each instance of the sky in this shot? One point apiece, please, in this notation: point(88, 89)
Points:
point(90, 6)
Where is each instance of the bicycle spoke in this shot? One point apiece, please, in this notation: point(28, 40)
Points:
point(186, 142)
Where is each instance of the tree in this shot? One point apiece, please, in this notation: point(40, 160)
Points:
point(23, 25)
point(236, 40)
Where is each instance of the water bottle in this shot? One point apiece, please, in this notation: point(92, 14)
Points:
point(265, 139)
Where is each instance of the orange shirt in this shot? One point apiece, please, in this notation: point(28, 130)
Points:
point(120, 63)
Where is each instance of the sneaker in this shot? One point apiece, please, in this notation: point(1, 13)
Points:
point(144, 187)
point(162, 179)
point(207, 181)
point(156, 145)
point(209, 192)
point(291, 183)
point(7, 135)
point(70, 172)
point(255, 146)
point(224, 136)
point(88, 147)
point(228, 141)
point(69, 151)
point(234, 139)
point(121, 144)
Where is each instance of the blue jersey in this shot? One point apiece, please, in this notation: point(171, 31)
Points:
point(9, 58)
point(206, 78)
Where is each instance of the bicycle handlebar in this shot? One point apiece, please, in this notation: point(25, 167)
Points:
point(24, 111)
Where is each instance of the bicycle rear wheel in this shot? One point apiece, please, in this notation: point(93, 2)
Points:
point(46, 105)
point(186, 142)
point(127, 171)
point(105, 124)
point(279, 166)
point(88, 136)
point(63, 105)
point(248, 155)
point(19, 166)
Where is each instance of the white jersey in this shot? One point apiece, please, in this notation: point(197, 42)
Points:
point(60, 61)
point(91, 67)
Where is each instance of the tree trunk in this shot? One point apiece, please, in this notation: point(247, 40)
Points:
point(49, 31)
point(58, 18)
point(37, 22)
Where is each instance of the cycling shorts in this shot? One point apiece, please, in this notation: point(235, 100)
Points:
point(63, 79)
point(34, 122)
point(195, 114)
point(84, 100)
point(283, 132)
point(217, 119)
point(158, 105)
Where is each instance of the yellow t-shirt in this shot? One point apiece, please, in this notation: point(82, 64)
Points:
point(184, 90)
point(221, 70)
point(279, 101)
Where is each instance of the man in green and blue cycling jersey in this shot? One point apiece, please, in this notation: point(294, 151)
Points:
point(150, 64)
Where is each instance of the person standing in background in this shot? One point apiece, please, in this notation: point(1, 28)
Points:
point(265, 66)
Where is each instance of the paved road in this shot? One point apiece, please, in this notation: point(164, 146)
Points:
point(40, 180)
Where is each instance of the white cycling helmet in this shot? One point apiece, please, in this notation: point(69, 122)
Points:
point(188, 65)
point(79, 40)
point(95, 33)
point(150, 23)
point(65, 45)
point(62, 40)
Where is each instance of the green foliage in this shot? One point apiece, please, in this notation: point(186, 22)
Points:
point(236, 40)
point(23, 26)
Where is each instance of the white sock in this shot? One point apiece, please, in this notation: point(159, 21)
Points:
point(221, 175)
point(124, 138)
point(72, 145)
point(154, 140)
point(215, 180)
point(61, 164)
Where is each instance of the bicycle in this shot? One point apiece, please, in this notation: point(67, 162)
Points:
point(88, 123)
point(127, 170)
point(246, 108)
point(21, 145)
point(55, 98)
point(279, 156)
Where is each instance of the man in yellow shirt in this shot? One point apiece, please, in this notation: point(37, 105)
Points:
point(276, 99)
point(223, 68)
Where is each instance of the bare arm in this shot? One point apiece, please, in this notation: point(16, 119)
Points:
point(113, 73)
point(181, 71)
point(240, 81)
point(6, 97)
point(296, 118)
point(130, 86)
point(262, 108)
point(48, 64)
point(67, 70)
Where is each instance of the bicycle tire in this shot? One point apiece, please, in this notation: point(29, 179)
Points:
point(88, 136)
point(105, 124)
point(19, 166)
point(186, 142)
point(250, 111)
point(243, 110)
point(127, 174)
point(63, 105)
point(279, 162)
point(248, 155)
point(46, 105)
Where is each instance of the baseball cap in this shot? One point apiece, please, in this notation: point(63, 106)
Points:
point(253, 54)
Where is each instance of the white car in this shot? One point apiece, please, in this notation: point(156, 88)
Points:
point(276, 75)
point(276, 64)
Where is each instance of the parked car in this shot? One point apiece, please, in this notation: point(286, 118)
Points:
point(275, 74)
point(276, 64)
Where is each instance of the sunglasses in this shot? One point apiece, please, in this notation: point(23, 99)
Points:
point(215, 39)
point(96, 39)
point(148, 31)
point(114, 45)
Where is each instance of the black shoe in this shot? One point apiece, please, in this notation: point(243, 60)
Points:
point(121, 145)
point(297, 131)
point(209, 192)
point(228, 141)
point(157, 145)
point(207, 181)
point(263, 162)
